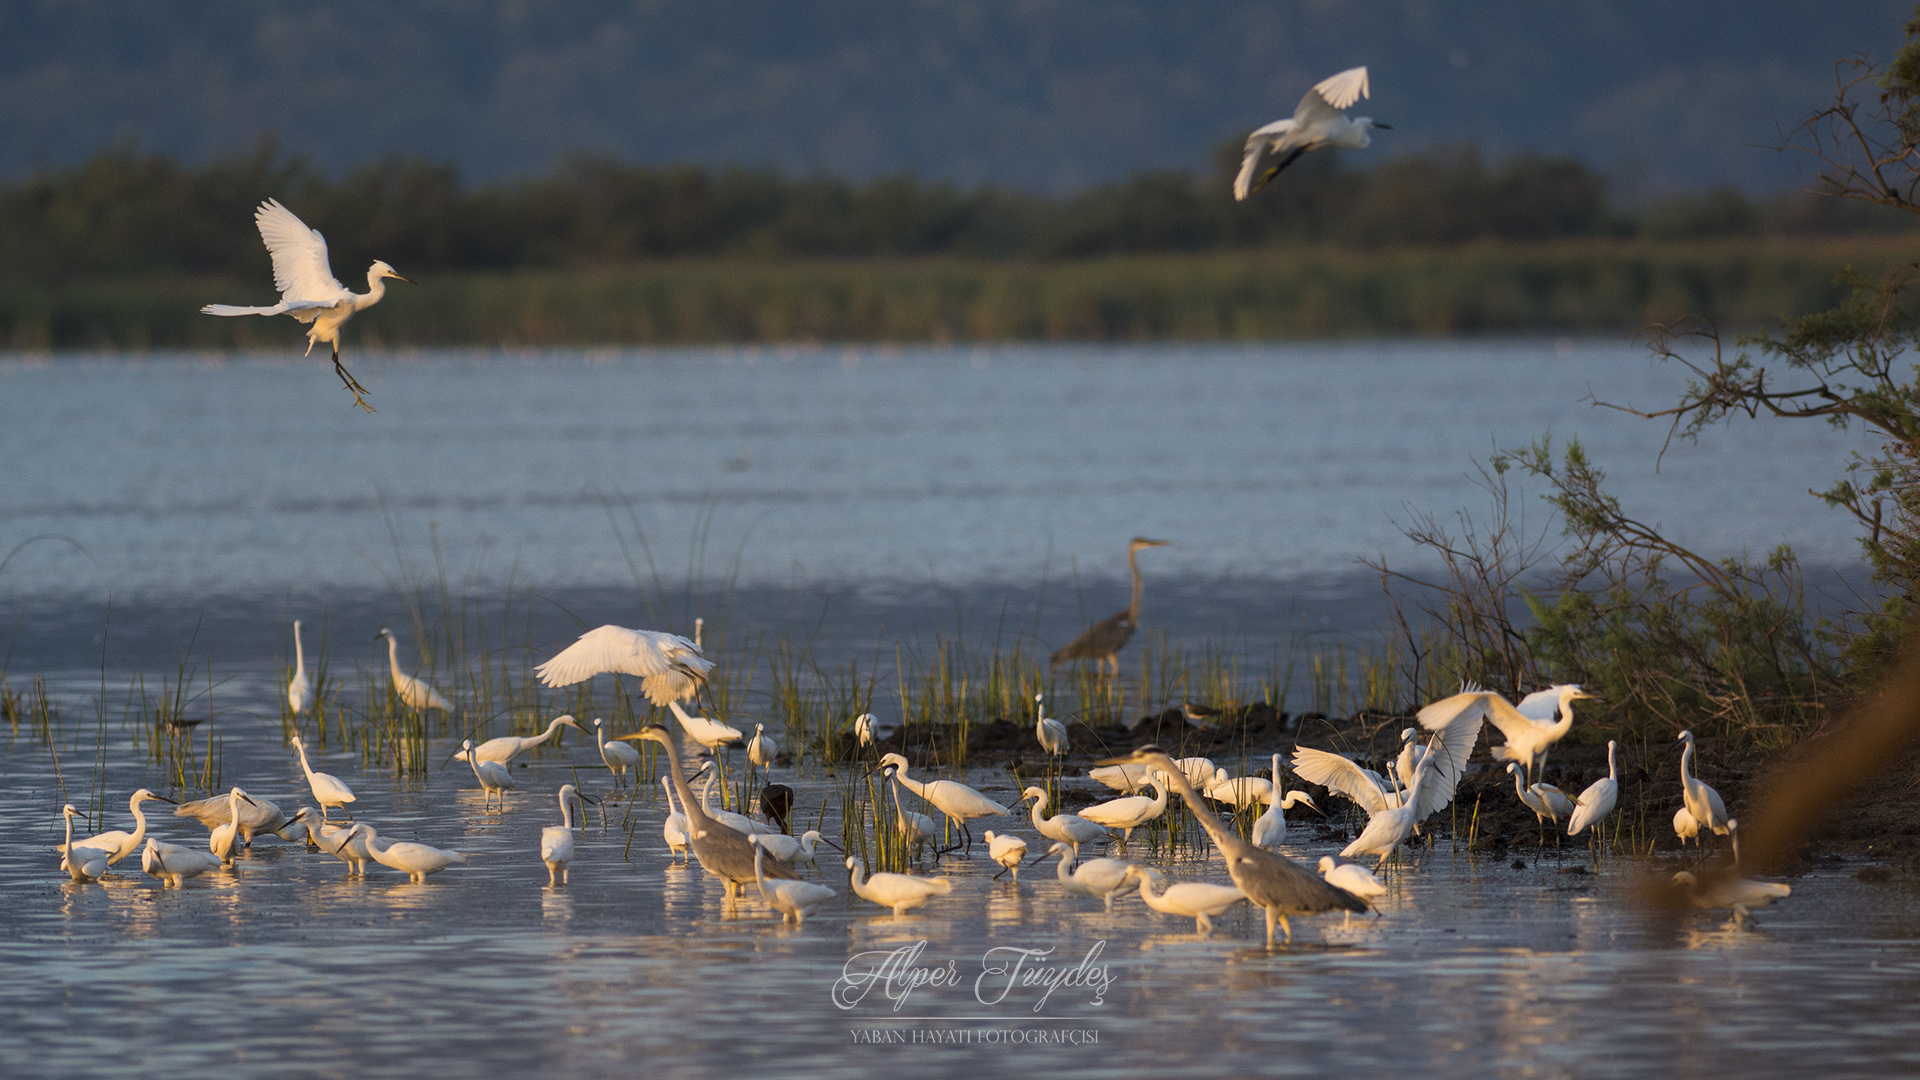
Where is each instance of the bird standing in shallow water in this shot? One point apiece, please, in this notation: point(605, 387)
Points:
point(415, 693)
point(556, 841)
point(330, 790)
point(901, 892)
point(82, 863)
point(619, 758)
point(1051, 733)
point(299, 694)
point(308, 290)
point(119, 844)
point(792, 899)
point(950, 797)
point(721, 851)
point(1008, 851)
point(1597, 801)
point(1198, 899)
point(1066, 828)
point(1103, 640)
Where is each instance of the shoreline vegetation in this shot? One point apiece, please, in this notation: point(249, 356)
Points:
point(1577, 286)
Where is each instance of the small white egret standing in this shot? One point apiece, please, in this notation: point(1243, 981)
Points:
point(901, 892)
point(674, 829)
point(950, 797)
point(793, 899)
point(1270, 828)
point(1096, 878)
point(416, 694)
point(915, 828)
point(299, 694)
point(670, 667)
point(1597, 801)
point(1545, 800)
point(507, 747)
point(1354, 878)
point(1129, 812)
point(308, 290)
point(1008, 851)
point(330, 790)
point(1051, 733)
point(1734, 893)
point(1702, 802)
point(257, 815)
point(620, 758)
point(81, 862)
point(413, 859)
point(556, 841)
point(119, 844)
point(495, 778)
point(868, 730)
point(791, 849)
point(224, 840)
point(1685, 827)
point(1319, 121)
point(762, 748)
point(1066, 828)
point(173, 864)
point(1199, 899)
point(722, 852)
point(1239, 791)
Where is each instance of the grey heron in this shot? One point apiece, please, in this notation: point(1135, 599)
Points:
point(1103, 640)
point(1272, 882)
point(721, 851)
point(1319, 121)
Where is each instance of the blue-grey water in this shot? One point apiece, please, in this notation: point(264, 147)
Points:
point(859, 496)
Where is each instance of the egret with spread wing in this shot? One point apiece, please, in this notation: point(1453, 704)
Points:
point(308, 290)
point(670, 667)
point(1319, 121)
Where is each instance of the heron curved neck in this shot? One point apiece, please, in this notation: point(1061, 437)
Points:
point(1686, 757)
point(301, 749)
point(1065, 870)
point(393, 656)
point(376, 288)
point(566, 812)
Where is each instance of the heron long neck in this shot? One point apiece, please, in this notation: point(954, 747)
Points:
point(1064, 870)
point(566, 812)
point(695, 815)
point(1159, 787)
point(535, 740)
point(1686, 755)
point(918, 787)
point(139, 821)
point(299, 655)
point(393, 658)
point(1139, 584)
point(304, 767)
point(376, 288)
point(1612, 773)
point(1039, 804)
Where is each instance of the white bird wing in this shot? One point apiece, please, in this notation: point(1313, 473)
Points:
point(1445, 763)
point(1511, 721)
point(300, 267)
point(618, 649)
point(284, 307)
point(1541, 705)
point(1342, 90)
point(1340, 774)
point(1250, 161)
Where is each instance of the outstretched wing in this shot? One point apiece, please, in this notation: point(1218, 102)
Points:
point(1541, 705)
point(300, 268)
point(1257, 144)
point(661, 659)
point(1340, 774)
point(1342, 90)
point(284, 307)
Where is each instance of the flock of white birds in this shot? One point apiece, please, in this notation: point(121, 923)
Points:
point(745, 852)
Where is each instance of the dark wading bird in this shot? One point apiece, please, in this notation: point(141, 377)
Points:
point(722, 852)
point(1104, 639)
point(308, 290)
point(1273, 882)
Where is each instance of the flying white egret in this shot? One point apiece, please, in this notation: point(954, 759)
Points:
point(299, 694)
point(1272, 882)
point(308, 290)
point(1103, 641)
point(494, 778)
point(1008, 851)
point(1199, 899)
point(1051, 733)
point(328, 789)
point(1239, 791)
point(507, 747)
point(257, 815)
point(950, 797)
point(556, 841)
point(1095, 878)
point(1545, 800)
point(1066, 828)
point(1270, 828)
point(670, 667)
point(413, 859)
point(81, 862)
point(914, 827)
point(1319, 121)
point(1129, 812)
point(1702, 802)
point(793, 899)
point(901, 892)
point(1354, 878)
point(620, 758)
point(416, 694)
point(1597, 801)
point(674, 829)
point(173, 864)
point(762, 748)
point(722, 852)
point(792, 849)
point(119, 844)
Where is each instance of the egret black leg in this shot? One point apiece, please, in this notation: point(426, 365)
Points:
point(351, 384)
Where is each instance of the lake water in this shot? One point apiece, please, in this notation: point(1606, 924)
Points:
point(857, 496)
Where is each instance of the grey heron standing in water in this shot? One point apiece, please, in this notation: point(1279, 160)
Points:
point(1104, 639)
point(1273, 882)
point(721, 851)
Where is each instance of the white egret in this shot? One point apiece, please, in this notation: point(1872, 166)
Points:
point(1354, 878)
point(299, 694)
point(1597, 801)
point(257, 815)
point(173, 864)
point(1702, 802)
point(739, 823)
point(1198, 899)
point(348, 844)
point(119, 844)
point(1271, 882)
point(1051, 733)
point(674, 829)
point(416, 694)
point(793, 899)
point(620, 758)
point(308, 290)
point(1096, 878)
point(1131, 811)
point(915, 828)
point(901, 892)
point(711, 734)
point(1008, 851)
point(670, 667)
point(413, 859)
point(1199, 771)
point(1124, 778)
point(722, 852)
point(224, 839)
point(950, 797)
point(1319, 121)
point(1270, 828)
point(1545, 800)
point(1685, 827)
point(1342, 775)
point(1388, 827)
point(305, 826)
point(81, 862)
point(868, 730)
point(504, 749)
point(495, 778)
point(1736, 894)
point(1103, 641)
point(329, 790)
point(791, 849)
point(762, 748)
point(556, 841)
point(1066, 828)
point(1239, 791)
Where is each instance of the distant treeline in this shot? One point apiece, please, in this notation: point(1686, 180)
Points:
point(130, 214)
